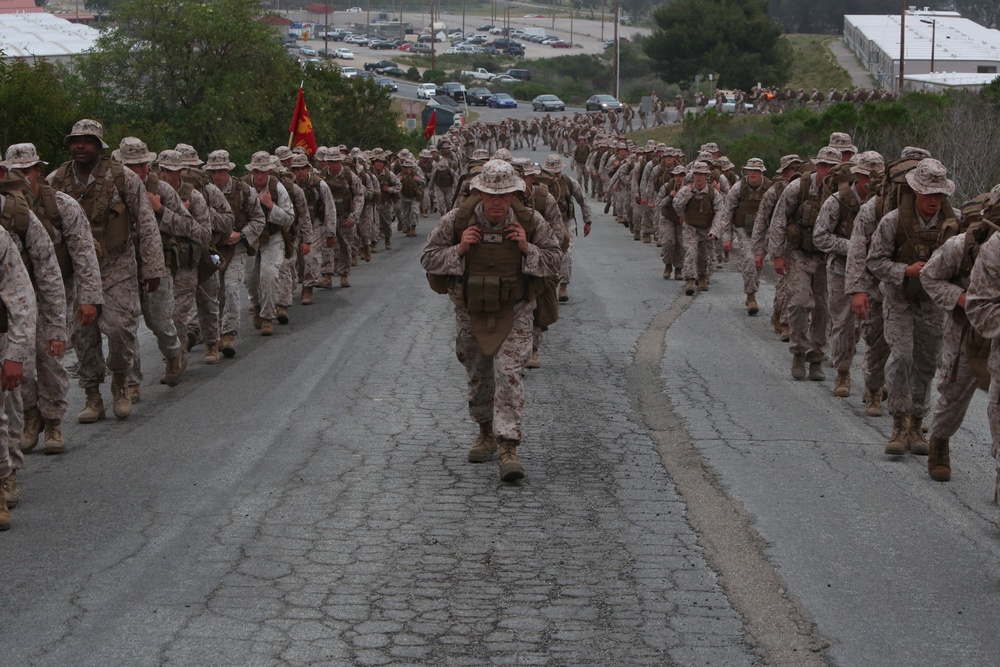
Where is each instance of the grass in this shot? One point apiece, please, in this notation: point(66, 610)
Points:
point(814, 65)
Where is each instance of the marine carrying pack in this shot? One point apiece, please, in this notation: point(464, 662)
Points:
point(110, 223)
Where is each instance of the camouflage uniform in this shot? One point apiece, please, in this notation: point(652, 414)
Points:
point(409, 208)
point(388, 189)
point(264, 281)
point(697, 245)
point(671, 229)
point(443, 190)
point(983, 310)
point(728, 230)
point(287, 275)
point(235, 273)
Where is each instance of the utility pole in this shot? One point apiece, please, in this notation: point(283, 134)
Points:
point(902, 40)
point(326, 32)
point(617, 47)
point(432, 34)
point(933, 24)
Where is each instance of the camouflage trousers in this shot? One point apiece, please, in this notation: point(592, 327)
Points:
point(287, 277)
point(13, 408)
point(913, 331)
point(409, 214)
point(443, 197)
point(697, 249)
point(312, 264)
point(876, 349)
point(644, 223)
point(7, 436)
point(205, 320)
point(263, 281)
point(748, 269)
point(496, 389)
point(185, 298)
point(347, 242)
point(532, 140)
point(956, 383)
point(566, 268)
point(234, 279)
point(367, 226)
point(993, 413)
point(427, 203)
point(672, 240)
point(118, 321)
point(582, 175)
point(781, 298)
point(46, 381)
point(384, 212)
point(843, 323)
point(807, 308)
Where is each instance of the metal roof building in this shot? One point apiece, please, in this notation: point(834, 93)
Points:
point(955, 44)
point(42, 35)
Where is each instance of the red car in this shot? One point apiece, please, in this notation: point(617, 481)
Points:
point(559, 44)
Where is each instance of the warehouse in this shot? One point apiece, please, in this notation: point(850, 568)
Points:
point(43, 35)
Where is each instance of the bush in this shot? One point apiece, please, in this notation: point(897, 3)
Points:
point(438, 76)
point(413, 74)
point(527, 90)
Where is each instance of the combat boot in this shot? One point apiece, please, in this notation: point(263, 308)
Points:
point(120, 405)
point(689, 287)
point(372, 249)
point(873, 403)
point(307, 296)
point(266, 328)
point(752, 307)
point(282, 314)
point(227, 344)
point(636, 236)
point(816, 373)
point(4, 513)
point(842, 385)
point(175, 368)
point(938, 459)
point(134, 393)
point(326, 282)
point(897, 441)
point(703, 283)
point(563, 296)
point(354, 259)
point(53, 437)
point(678, 274)
point(776, 322)
point(667, 272)
point(32, 427)
point(388, 244)
point(211, 353)
point(785, 333)
point(94, 408)
point(345, 281)
point(511, 469)
point(798, 366)
point(366, 253)
point(11, 493)
point(915, 436)
point(647, 238)
point(533, 361)
point(485, 445)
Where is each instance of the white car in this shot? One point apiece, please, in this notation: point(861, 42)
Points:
point(348, 72)
point(354, 10)
point(425, 91)
point(346, 54)
point(307, 51)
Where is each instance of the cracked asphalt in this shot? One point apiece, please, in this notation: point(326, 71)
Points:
point(686, 502)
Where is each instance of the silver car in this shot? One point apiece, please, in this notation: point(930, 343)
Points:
point(547, 103)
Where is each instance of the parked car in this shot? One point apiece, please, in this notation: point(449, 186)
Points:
point(520, 74)
point(386, 82)
point(478, 96)
point(348, 72)
point(502, 101)
point(559, 44)
point(346, 54)
point(392, 71)
point(503, 78)
point(380, 44)
point(485, 26)
point(515, 50)
point(354, 10)
point(337, 35)
point(603, 103)
point(307, 51)
point(421, 48)
point(380, 65)
point(454, 90)
point(328, 52)
point(365, 75)
point(547, 103)
point(425, 91)
point(360, 40)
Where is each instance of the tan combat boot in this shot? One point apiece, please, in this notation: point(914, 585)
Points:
point(366, 253)
point(53, 437)
point(121, 405)
point(175, 369)
point(94, 408)
point(563, 296)
point(326, 282)
point(689, 287)
point(4, 513)
point(678, 274)
point(776, 322)
point(511, 469)
point(842, 385)
point(307, 296)
point(354, 259)
point(667, 271)
point(228, 345)
point(32, 427)
point(816, 373)
point(134, 393)
point(785, 333)
point(485, 445)
point(647, 238)
point(281, 314)
point(388, 244)
point(345, 281)
point(873, 403)
point(266, 328)
point(798, 366)
point(938, 460)
point(11, 493)
point(211, 353)
point(897, 441)
point(915, 436)
point(533, 361)
point(751, 304)
point(703, 283)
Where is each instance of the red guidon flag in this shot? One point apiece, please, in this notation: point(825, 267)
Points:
point(301, 128)
point(431, 126)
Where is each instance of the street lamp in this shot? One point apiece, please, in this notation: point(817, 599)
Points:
point(933, 24)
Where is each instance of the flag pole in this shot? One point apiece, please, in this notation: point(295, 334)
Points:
point(291, 134)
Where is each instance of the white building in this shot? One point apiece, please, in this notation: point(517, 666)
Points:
point(954, 44)
point(42, 35)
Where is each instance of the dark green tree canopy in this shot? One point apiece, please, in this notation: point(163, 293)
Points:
point(734, 39)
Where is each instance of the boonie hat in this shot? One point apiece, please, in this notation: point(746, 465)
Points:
point(788, 160)
point(497, 178)
point(869, 162)
point(22, 156)
point(171, 160)
point(219, 161)
point(133, 150)
point(503, 154)
point(478, 154)
point(930, 177)
point(300, 160)
point(283, 152)
point(260, 161)
point(842, 142)
point(189, 155)
point(754, 164)
point(553, 163)
point(87, 128)
point(914, 153)
point(425, 153)
point(700, 168)
point(679, 170)
point(827, 155)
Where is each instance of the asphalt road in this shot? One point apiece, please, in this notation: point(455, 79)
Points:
point(686, 502)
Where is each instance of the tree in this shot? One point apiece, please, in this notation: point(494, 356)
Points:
point(210, 71)
point(983, 12)
point(735, 39)
point(353, 112)
point(37, 107)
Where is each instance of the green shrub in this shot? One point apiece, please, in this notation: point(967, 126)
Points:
point(413, 74)
point(527, 90)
